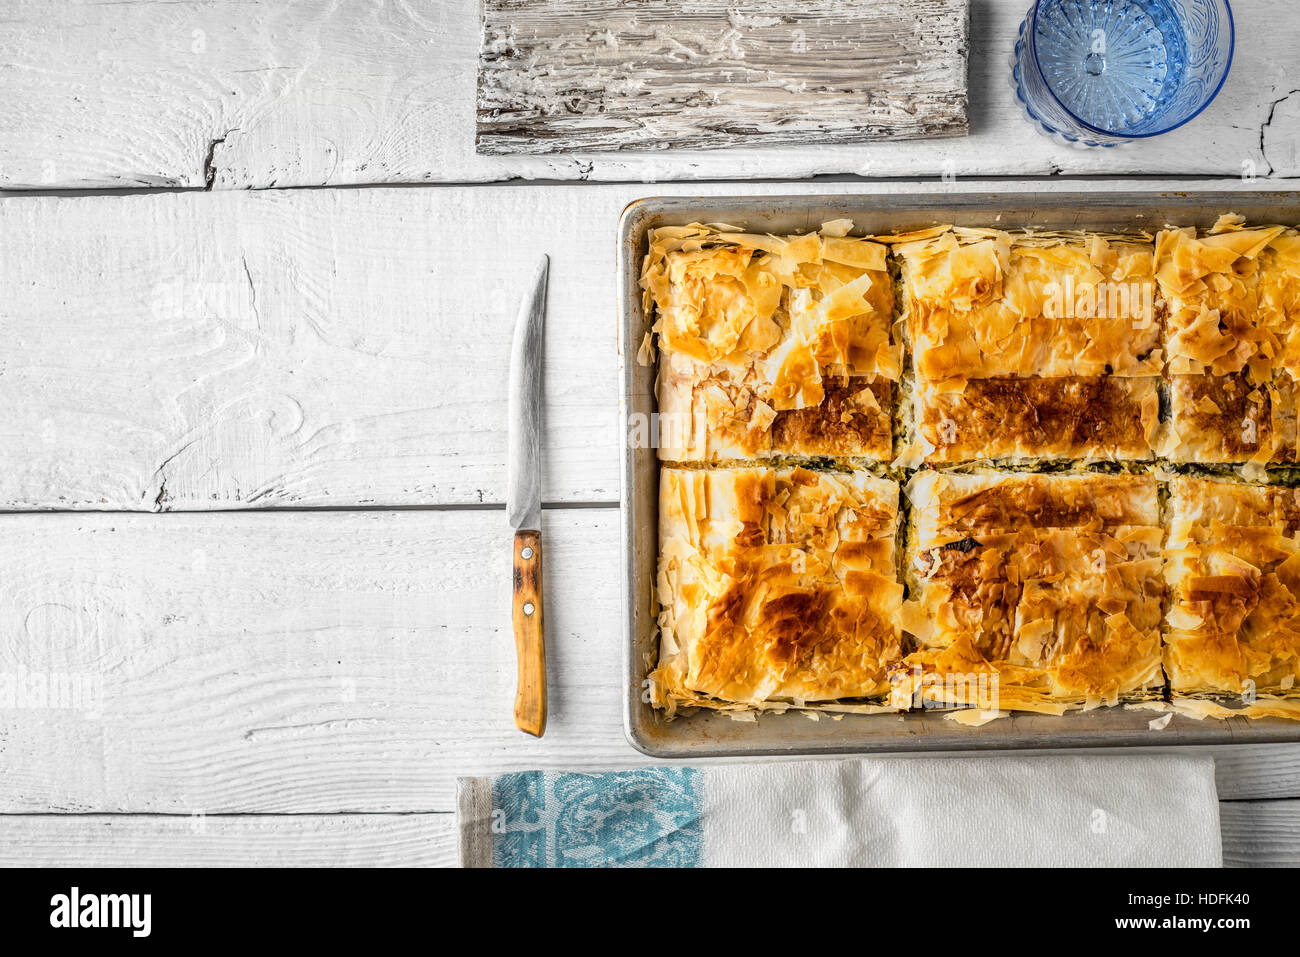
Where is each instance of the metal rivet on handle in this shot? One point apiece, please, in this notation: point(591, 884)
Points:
point(528, 608)
point(527, 552)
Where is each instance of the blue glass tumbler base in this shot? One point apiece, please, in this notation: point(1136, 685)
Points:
point(1041, 128)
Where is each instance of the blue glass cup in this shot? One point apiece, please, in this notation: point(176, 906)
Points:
point(1105, 72)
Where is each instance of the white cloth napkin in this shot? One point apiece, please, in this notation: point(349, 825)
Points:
point(1037, 810)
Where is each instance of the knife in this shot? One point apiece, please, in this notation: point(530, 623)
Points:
point(524, 504)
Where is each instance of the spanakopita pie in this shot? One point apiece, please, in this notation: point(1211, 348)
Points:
point(1233, 301)
point(778, 586)
point(771, 347)
point(1029, 346)
point(1233, 566)
point(1051, 583)
point(1096, 434)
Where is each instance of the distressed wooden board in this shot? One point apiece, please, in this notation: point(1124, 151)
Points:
point(320, 662)
point(214, 840)
point(267, 93)
point(559, 76)
point(312, 347)
point(1255, 834)
point(1260, 833)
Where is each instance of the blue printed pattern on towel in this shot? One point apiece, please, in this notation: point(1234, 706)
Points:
point(643, 818)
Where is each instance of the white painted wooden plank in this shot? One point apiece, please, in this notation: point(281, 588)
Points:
point(1255, 834)
point(311, 347)
point(297, 348)
point(314, 662)
point(568, 75)
point(1260, 833)
point(266, 93)
point(213, 840)
point(1269, 772)
point(305, 662)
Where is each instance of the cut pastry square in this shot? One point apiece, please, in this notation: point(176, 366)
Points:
point(778, 587)
point(1036, 592)
point(1031, 346)
point(1229, 419)
point(772, 347)
point(1233, 300)
point(1027, 419)
point(1233, 569)
point(984, 303)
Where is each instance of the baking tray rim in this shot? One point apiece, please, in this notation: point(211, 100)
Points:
point(645, 729)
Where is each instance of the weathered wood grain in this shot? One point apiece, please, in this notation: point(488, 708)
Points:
point(1266, 773)
point(1260, 833)
point(297, 348)
point(312, 347)
point(559, 76)
point(1255, 834)
point(319, 662)
point(214, 840)
point(269, 93)
point(303, 662)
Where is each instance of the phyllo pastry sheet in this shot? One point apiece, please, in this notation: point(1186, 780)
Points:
point(772, 347)
point(1022, 420)
point(778, 586)
point(1030, 346)
point(1233, 569)
point(1233, 301)
point(1045, 589)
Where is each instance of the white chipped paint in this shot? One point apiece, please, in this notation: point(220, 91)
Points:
point(313, 93)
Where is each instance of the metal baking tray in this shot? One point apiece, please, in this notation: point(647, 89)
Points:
point(709, 734)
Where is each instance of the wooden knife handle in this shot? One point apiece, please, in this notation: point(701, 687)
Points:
point(530, 635)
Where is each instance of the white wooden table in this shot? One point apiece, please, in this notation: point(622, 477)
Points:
point(252, 444)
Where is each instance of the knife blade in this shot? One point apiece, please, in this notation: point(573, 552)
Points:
point(524, 503)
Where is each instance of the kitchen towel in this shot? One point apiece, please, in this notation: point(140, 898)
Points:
point(1045, 810)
